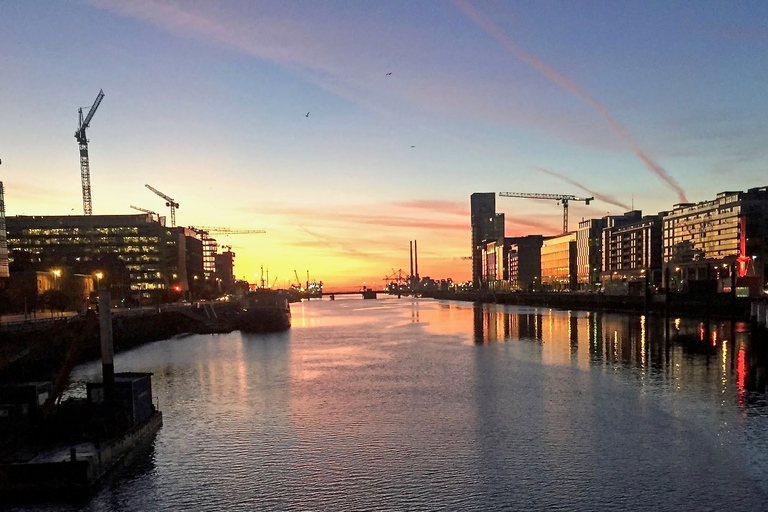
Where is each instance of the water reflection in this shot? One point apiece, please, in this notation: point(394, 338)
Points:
point(716, 356)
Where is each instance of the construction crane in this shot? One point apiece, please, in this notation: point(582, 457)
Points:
point(168, 202)
point(298, 283)
point(143, 210)
point(82, 141)
point(560, 198)
point(228, 231)
point(155, 216)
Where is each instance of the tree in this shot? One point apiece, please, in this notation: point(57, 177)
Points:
point(56, 300)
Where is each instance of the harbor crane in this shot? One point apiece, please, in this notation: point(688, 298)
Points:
point(168, 202)
point(82, 141)
point(563, 199)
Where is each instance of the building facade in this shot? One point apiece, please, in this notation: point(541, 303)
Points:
point(589, 253)
point(524, 262)
point(558, 263)
point(487, 225)
point(703, 241)
point(632, 259)
point(4, 272)
point(157, 259)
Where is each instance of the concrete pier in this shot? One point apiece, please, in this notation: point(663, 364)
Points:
point(70, 471)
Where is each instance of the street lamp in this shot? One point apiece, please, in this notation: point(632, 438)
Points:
point(99, 275)
point(56, 275)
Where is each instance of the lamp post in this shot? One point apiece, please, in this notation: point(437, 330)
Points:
point(56, 274)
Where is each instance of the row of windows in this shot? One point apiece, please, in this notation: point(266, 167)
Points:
point(76, 230)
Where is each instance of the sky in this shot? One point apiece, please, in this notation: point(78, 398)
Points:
point(347, 129)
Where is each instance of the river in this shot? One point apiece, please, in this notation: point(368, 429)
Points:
point(415, 404)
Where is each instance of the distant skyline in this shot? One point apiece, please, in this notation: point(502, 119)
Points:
point(347, 129)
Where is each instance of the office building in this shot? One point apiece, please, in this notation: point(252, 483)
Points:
point(632, 257)
point(589, 253)
point(558, 263)
point(524, 262)
point(702, 242)
point(157, 260)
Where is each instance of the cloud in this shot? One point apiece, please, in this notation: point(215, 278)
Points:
point(442, 207)
point(575, 89)
point(379, 215)
point(602, 197)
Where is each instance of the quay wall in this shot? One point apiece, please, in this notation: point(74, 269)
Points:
point(684, 305)
point(33, 351)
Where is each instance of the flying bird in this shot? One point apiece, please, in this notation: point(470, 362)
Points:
point(413, 146)
point(389, 73)
point(307, 114)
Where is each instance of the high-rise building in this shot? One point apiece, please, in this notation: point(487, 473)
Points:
point(3, 237)
point(487, 225)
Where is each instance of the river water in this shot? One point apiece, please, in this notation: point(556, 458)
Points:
point(415, 404)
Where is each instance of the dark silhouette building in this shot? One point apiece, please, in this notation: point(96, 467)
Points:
point(487, 226)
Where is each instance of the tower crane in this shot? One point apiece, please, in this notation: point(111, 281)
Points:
point(212, 230)
point(560, 198)
point(154, 214)
point(168, 202)
point(82, 141)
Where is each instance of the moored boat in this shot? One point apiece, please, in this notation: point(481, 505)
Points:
point(264, 311)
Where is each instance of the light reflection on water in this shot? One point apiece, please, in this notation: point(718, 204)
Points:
point(423, 405)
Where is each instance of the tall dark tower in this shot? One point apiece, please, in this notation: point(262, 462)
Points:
point(486, 225)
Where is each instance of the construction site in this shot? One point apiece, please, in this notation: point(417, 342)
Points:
point(57, 262)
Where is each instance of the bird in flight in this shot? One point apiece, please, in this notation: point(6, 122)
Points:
point(413, 146)
point(389, 73)
point(307, 114)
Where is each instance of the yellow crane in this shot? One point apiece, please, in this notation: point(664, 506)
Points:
point(563, 199)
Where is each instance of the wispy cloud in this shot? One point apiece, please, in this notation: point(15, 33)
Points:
point(597, 195)
point(441, 207)
point(575, 89)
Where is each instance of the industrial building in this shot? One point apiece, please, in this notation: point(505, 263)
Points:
point(158, 261)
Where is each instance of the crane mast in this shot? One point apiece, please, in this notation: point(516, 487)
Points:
point(82, 141)
point(168, 202)
point(560, 198)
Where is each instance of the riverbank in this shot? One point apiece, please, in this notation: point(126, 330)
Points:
point(723, 306)
point(32, 351)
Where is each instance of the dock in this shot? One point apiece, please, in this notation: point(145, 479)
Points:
point(68, 471)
